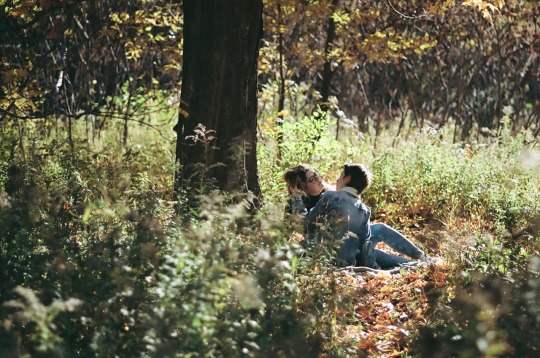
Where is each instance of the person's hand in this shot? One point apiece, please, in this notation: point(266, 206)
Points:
point(293, 189)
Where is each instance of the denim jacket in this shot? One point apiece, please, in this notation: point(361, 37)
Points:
point(340, 217)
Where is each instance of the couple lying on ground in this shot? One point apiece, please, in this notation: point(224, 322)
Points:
point(340, 215)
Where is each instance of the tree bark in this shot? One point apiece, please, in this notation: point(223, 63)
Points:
point(328, 72)
point(219, 92)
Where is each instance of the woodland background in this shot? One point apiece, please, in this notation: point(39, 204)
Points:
point(101, 254)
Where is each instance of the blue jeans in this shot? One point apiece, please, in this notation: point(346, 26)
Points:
point(383, 233)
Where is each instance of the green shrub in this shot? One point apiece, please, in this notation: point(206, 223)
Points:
point(96, 261)
point(95, 226)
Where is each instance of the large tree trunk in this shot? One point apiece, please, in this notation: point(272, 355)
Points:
point(219, 91)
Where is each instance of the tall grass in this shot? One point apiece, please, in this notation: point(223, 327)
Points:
point(103, 263)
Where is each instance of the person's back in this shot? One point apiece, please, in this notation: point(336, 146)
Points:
point(341, 219)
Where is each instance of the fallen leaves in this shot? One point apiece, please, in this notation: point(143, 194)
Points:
point(387, 309)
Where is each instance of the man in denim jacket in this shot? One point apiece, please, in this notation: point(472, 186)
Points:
point(341, 219)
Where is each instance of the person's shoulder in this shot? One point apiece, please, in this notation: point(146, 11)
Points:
point(329, 194)
point(326, 198)
point(363, 206)
point(346, 195)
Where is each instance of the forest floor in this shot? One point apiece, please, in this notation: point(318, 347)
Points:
point(384, 311)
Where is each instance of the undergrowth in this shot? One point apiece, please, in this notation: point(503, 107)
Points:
point(96, 262)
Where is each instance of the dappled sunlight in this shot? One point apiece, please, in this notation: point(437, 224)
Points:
point(387, 310)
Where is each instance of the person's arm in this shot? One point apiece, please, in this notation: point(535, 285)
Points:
point(320, 209)
point(315, 217)
point(297, 203)
point(298, 206)
point(365, 228)
point(366, 251)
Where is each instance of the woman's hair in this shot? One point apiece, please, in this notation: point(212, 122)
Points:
point(297, 176)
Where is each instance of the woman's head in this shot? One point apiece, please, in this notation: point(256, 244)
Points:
point(305, 178)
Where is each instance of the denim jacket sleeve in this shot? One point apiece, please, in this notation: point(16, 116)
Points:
point(298, 206)
point(315, 220)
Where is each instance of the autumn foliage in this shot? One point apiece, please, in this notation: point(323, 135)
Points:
point(441, 99)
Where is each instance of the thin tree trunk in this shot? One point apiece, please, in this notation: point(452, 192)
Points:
point(281, 100)
point(328, 72)
point(21, 139)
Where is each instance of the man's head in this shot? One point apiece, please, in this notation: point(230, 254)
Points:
point(356, 176)
point(305, 179)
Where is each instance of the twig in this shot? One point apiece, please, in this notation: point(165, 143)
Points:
point(398, 12)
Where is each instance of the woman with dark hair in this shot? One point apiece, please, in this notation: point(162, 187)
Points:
point(305, 179)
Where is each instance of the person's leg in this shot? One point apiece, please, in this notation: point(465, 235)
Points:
point(383, 233)
point(387, 261)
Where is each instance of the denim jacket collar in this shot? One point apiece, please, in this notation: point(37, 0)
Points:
point(350, 190)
